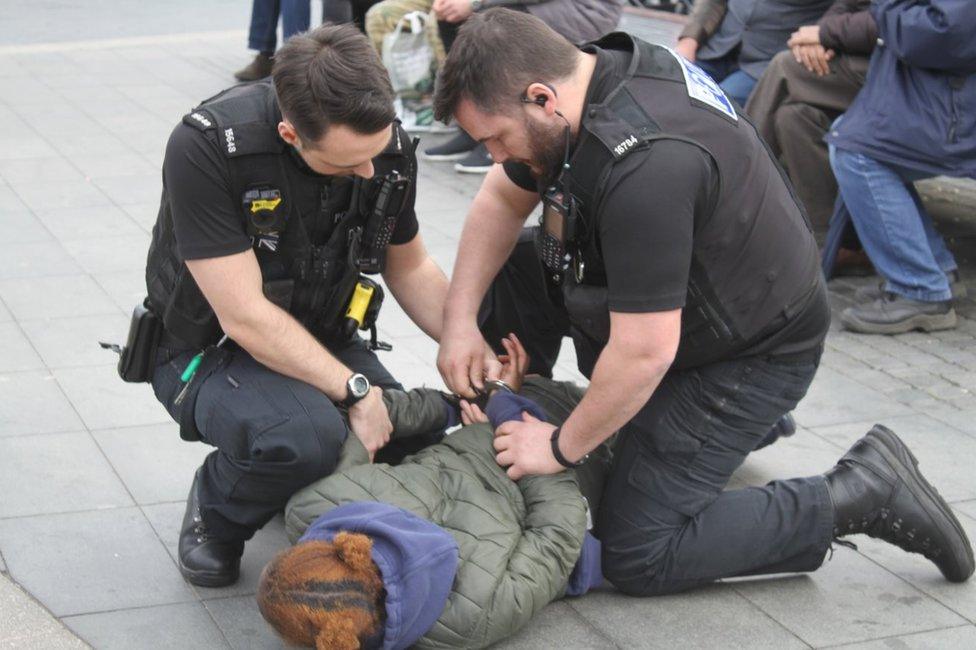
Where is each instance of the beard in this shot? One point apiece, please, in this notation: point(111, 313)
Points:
point(547, 147)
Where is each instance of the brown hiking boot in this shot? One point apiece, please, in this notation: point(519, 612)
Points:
point(259, 68)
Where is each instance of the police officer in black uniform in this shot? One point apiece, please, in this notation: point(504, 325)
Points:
point(280, 198)
point(688, 277)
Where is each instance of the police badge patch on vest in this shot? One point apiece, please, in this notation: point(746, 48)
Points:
point(703, 88)
point(265, 216)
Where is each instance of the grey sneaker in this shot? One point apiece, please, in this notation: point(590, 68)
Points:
point(259, 68)
point(894, 314)
point(872, 292)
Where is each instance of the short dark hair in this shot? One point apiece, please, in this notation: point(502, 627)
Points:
point(332, 75)
point(496, 55)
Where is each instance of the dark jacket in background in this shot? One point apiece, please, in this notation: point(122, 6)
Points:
point(760, 27)
point(849, 28)
point(918, 107)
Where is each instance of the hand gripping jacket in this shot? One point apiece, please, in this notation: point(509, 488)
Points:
point(312, 237)
point(664, 97)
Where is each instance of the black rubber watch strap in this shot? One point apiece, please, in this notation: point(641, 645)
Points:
point(558, 455)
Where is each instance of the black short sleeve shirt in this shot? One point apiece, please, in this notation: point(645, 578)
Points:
point(207, 217)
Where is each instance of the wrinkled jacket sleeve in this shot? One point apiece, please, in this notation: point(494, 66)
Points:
point(705, 19)
point(415, 412)
point(848, 27)
point(539, 568)
point(934, 34)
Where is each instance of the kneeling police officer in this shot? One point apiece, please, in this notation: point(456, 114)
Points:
point(279, 196)
point(694, 297)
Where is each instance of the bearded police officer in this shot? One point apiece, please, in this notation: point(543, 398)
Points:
point(691, 283)
point(278, 197)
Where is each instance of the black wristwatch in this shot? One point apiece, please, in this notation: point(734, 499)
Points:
point(558, 455)
point(357, 387)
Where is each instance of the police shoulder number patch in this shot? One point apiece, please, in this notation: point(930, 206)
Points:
point(703, 88)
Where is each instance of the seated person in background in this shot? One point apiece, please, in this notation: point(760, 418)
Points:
point(804, 90)
point(578, 21)
point(913, 119)
point(734, 40)
point(443, 550)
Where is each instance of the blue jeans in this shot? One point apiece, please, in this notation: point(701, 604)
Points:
point(263, 34)
point(896, 231)
point(734, 82)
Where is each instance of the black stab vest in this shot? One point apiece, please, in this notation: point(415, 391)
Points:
point(761, 288)
point(307, 252)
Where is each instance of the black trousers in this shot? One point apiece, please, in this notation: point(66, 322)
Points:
point(667, 525)
point(273, 434)
point(665, 522)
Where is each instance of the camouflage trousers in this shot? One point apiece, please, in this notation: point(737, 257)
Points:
point(382, 18)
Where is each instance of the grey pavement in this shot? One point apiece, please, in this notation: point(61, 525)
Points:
point(93, 475)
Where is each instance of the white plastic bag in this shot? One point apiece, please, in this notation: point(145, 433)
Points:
point(408, 56)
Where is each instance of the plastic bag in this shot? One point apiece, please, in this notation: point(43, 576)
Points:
point(408, 56)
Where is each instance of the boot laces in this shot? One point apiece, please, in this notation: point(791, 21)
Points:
point(887, 525)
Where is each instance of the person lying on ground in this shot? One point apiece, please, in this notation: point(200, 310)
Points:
point(443, 550)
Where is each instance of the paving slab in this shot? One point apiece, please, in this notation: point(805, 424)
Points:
point(16, 352)
point(63, 194)
point(921, 573)
point(26, 624)
point(956, 638)
point(110, 254)
point(834, 399)
point(55, 296)
point(708, 617)
point(87, 562)
point(36, 259)
point(154, 463)
point(558, 626)
point(259, 550)
point(240, 621)
point(65, 471)
point(33, 402)
point(803, 454)
point(105, 402)
point(125, 289)
point(72, 342)
point(944, 453)
point(23, 227)
point(849, 599)
point(185, 625)
point(89, 222)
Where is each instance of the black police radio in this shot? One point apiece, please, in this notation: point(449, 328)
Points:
point(560, 210)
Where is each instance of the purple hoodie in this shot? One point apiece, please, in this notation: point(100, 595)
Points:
point(417, 561)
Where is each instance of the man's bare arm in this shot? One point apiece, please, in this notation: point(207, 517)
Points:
point(233, 286)
point(494, 222)
point(629, 370)
point(418, 284)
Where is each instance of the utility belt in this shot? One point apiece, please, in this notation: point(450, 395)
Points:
point(137, 358)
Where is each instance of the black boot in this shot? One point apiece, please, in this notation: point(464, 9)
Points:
point(203, 559)
point(876, 489)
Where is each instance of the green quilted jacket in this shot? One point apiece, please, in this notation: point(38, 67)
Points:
point(518, 541)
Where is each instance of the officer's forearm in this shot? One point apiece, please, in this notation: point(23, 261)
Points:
point(490, 232)
point(276, 340)
point(620, 385)
point(421, 291)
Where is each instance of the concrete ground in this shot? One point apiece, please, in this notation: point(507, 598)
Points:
point(93, 475)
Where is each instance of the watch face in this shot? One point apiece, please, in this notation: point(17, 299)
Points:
point(358, 385)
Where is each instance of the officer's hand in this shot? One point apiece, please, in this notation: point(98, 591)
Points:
point(462, 360)
point(524, 448)
point(370, 421)
point(687, 47)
